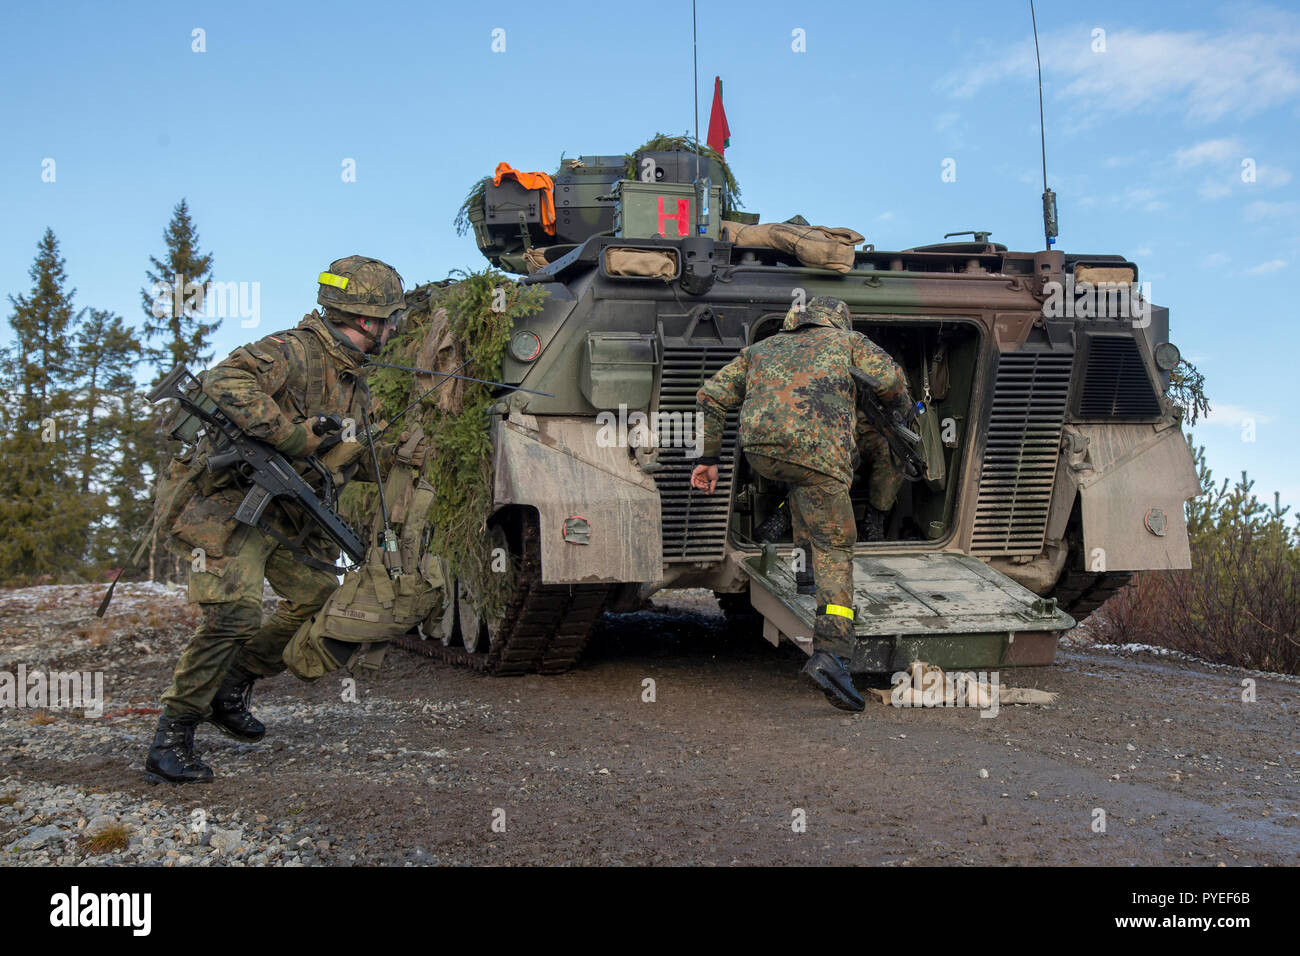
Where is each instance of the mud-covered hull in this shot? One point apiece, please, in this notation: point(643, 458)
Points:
point(1065, 465)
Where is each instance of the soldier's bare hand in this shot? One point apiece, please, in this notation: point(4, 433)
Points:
point(705, 478)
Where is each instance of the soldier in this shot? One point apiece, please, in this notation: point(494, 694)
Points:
point(271, 389)
point(797, 423)
point(884, 480)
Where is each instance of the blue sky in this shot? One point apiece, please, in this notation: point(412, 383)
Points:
point(1146, 141)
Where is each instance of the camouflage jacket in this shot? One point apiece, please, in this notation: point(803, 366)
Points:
point(795, 395)
point(268, 388)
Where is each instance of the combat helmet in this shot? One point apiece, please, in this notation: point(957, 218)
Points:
point(821, 310)
point(834, 309)
point(361, 286)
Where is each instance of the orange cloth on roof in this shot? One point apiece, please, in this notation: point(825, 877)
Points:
point(540, 181)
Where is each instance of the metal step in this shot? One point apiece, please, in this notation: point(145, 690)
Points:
point(948, 609)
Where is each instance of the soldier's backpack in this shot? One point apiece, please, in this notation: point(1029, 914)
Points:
point(354, 626)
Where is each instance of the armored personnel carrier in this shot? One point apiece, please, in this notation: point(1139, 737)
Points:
point(1062, 467)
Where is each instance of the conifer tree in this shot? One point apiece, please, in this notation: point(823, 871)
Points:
point(173, 302)
point(106, 355)
point(175, 334)
point(115, 433)
point(43, 516)
point(40, 320)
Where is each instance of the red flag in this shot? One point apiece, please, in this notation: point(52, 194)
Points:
point(719, 132)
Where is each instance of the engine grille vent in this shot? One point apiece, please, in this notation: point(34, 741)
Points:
point(694, 525)
point(1021, 451)
point(1115, 382)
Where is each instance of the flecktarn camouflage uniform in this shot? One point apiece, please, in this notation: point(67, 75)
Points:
point(266, 388)
point(270, 389)
point(797, 425)
point(884, 477)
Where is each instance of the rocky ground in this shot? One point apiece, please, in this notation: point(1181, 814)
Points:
point(730, 760)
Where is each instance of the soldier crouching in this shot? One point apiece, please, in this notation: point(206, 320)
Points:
point(271, 389)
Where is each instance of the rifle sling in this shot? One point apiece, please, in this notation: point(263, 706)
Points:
point(295, 546)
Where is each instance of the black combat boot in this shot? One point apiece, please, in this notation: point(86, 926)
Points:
point(172, 758)
point(776, 526)
point(872, 525)
point(230, 713)
point(829, 674)
point(803, 580)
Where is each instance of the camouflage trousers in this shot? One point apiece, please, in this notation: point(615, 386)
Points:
point(822, 515)
point(884, 479)
point(231, 630)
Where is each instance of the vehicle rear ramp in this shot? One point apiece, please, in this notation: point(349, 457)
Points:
point(946, 609)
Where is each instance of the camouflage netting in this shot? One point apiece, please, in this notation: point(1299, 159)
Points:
point(473, 200)
point(450, 323)
point(660, 143)
point(657, 143)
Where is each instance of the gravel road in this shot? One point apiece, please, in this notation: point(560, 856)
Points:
point(725, 758)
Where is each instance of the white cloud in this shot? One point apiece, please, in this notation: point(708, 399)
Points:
point(1273, 265)
point(1114, 162)
point(1214, 189)
point(1203, 75)
point(1227, 415)
point(1261, 209)
point(1272, 176)
point(1222, 186)
point(945, 120)
point(1214, 260)
point(1144, 198)
point(1210, 151)
point(1144, 252)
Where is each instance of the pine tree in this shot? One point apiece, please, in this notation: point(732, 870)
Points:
point(44, 519)
point(174, 310)
point(115, 434)
point(106, 356)
point(132, 475)
point(43, 350)
point(174, 300)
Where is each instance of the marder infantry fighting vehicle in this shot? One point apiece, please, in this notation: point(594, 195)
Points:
point(1062, 467)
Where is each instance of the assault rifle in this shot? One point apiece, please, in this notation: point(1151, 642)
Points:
point(269, 472)
point(903, 442)
point(266, 469)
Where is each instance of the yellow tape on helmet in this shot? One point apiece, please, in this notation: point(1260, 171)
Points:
point(329, 278)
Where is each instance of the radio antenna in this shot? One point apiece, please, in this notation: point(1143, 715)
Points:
point(695, 80)
point(1049, 197)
